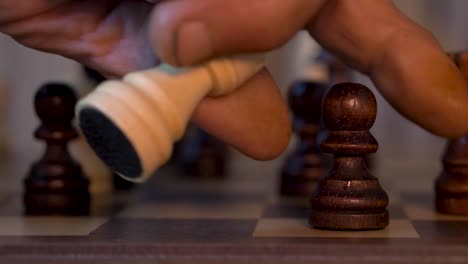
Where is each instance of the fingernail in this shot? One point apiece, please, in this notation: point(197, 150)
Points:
point(193, 43)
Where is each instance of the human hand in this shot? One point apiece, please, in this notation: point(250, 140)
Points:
point(404, 61)
point(112, 37)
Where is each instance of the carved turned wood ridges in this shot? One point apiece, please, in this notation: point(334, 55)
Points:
point(349, 198)
point(55, 183)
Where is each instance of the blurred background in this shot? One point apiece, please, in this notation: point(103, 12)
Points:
point(23, 70)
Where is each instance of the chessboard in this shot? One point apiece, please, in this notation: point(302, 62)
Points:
point(239, 218)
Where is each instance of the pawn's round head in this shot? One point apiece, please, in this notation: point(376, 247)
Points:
point(55, 103)
point(304, 100)
point(349, 107)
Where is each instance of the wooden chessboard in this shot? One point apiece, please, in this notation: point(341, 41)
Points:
point(239, 219)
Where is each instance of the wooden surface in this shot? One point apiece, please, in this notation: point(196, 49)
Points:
point(239, 219)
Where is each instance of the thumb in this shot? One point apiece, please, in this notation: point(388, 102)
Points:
point(185, 32)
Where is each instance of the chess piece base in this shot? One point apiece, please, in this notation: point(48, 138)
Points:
point(56, 203)
point(342, 203)
point(456, 205)
point(299, 185)
point(301, 174)
point(56, 195)
point(297, 189)
point(348, 221)
point(451, 192)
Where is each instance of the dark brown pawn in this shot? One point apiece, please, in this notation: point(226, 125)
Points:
point(307, 163)
point(452, 185)
point(55, 184)
point(340, 73)
point(201, 155)
point(460, 59)
point(349, 198)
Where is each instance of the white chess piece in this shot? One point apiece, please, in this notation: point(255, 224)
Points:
point(152, 108)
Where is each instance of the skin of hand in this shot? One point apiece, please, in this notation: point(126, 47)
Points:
point(112, 37)
point(404, 61)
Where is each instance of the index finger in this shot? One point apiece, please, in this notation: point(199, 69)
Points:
point(404, 61)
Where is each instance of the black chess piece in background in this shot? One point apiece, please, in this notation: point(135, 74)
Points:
point(93, 75)
point(55, 184)
point(307, 163)
point(451, 187)
point(349, 197)
point(201, 155)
